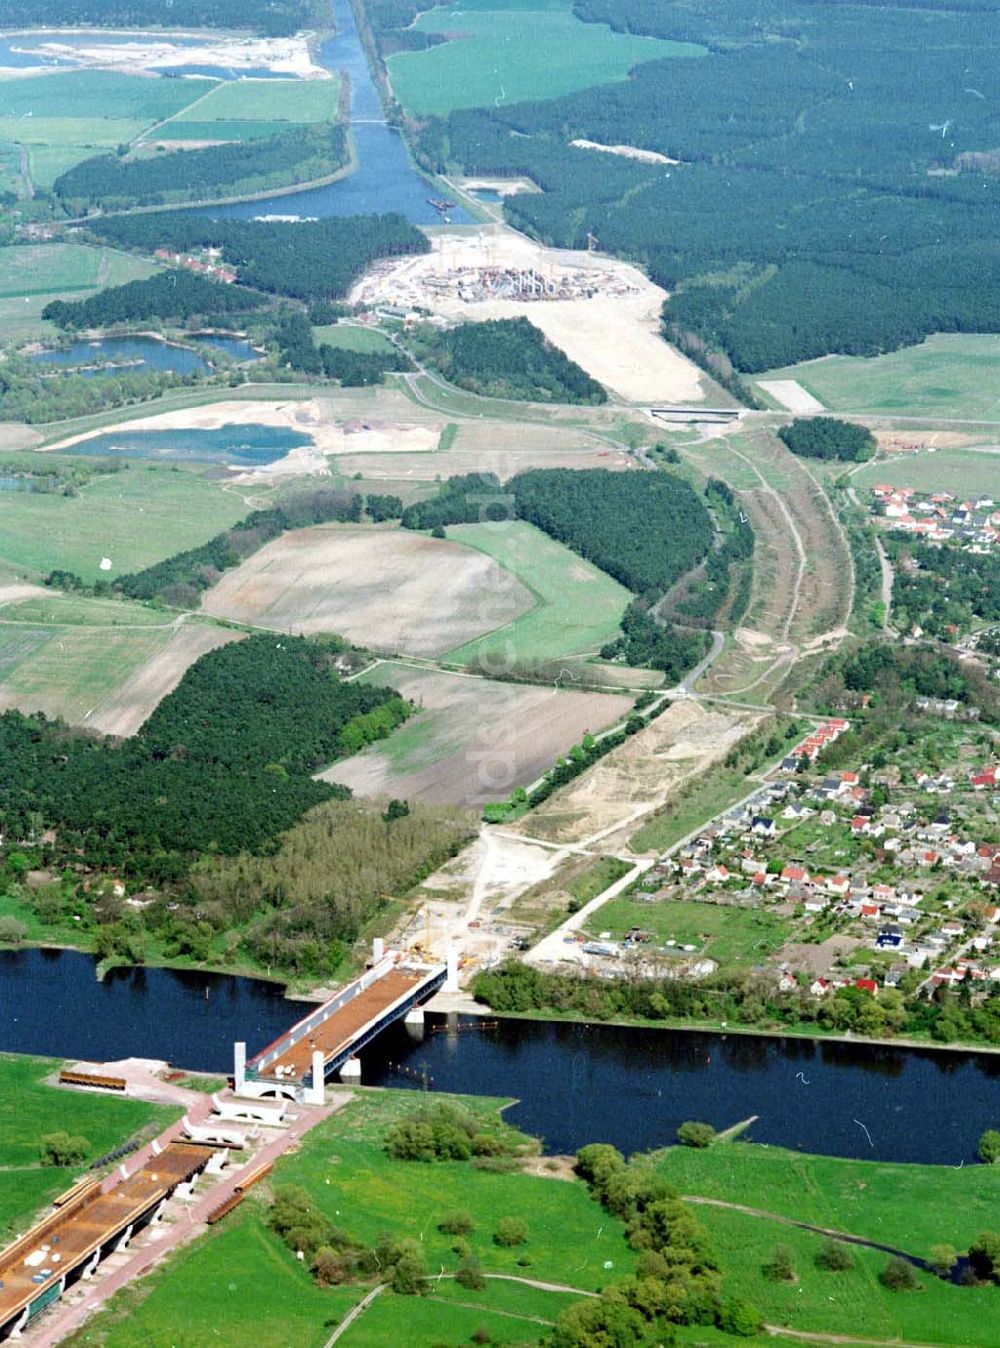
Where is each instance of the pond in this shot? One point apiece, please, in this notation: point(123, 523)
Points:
point(122, 355)
point(237, 348)
point(248, 446)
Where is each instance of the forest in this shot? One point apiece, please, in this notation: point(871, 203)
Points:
point(110, 182)
point(28, 395)
point(313, 260)
point(353, 369)
point(829, 438)
point(895, 677)
point(177, 294)
point(223, 765)
point(273, 18)
point(506, 358)
point(783, 234)
point(945, 589)
point(644, 529)
point(656, 645)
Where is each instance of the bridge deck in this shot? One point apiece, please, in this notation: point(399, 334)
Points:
point(73, 1235)
point(334, 1034)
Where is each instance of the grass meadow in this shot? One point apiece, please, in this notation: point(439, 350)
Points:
point(948, 375)
point(509, 53)
point(722, 933)
point(134, 517)
point(353, 337)
point(265, 101)
point(32, 275)
point(960, 471)
point(29, 1109)
point(577, 607)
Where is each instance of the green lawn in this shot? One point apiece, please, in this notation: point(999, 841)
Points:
point(237, 1286)
point(430, 1322)
point(722, 933)
point(508, 54)
point(959, 471)
point(577, 607)
point(135, 518)
point(31, 275)
point(909, 1206)
point(353, 337)
point(74, 610)
point(265, 101)
point(596, 878)
point(948, 375)
point(343, 1165)
point(852, 1302)
point(29, 1109)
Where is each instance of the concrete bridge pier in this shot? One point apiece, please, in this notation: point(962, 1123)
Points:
point(239, 1067)
point(91, 1266)
point(316, 1093)
point(414, 1022)
point(121, 1244)
point(350, 1072)
point(18, 1329)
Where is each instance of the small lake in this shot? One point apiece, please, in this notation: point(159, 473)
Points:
point(123, 355)
point(241, 446)
point(237, 348)
point(33, 483)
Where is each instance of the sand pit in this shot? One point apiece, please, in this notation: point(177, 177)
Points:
point(625, 151)
point(791, 394)
point(125, 710)
point(474, 739)
point(280, 55)
point(388, 589)
point(316, 417)
point(602, 313)
point(607, 802)
point(17, 590)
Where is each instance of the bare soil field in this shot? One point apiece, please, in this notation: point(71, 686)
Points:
point(388, 589)
point(638, 777)
point(790, 393)
point(125, 710)
point(604, 314)
point(474, 739)
point(280, 55)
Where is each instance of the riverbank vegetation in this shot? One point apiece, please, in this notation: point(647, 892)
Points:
point(110, 182)
point(29, 395)
point(758, 262)
point(506, 358)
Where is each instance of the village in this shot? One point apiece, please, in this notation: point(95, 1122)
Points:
point(877, 877)
point(938, 517)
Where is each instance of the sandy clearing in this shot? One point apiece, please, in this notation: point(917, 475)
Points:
point(13, 435)
point(282, 56)
point(626, 152)
point(124, 711)
point(503, 187)
point(609, 325)
point(475, 739)
point(320, 418)
point(791, 394)
point(10, 594)
point(388, 589)
point(606, 802)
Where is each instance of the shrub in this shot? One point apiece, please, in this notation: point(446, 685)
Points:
point(899, 1275)
point(739, 1318)
point(693, 1134)
point(458, 1223)
point(62, 1148)
point(511, 1231)
point(596, 1162)
point(989, 1143)
point(12, 930)
point(781, 1266)
point(835, 1256)
point(409, 1276)
point(298, 1221)
point(984, 1255)
point(942, 1259)
point(481, 1335)
point(470, 1273)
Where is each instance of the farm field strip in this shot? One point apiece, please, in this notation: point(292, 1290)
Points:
point(473, 739)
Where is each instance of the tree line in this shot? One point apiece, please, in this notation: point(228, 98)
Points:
point(353, 369)
point(112, 182)
point(829, 438)
point(313, 260)
point(176, 293)
point(274, 18)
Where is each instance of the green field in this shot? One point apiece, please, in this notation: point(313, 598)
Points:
point(265, 101)
point(30, 1109)
point(946, 376)
point(722, 933)
point(209, 131)
point(431, 1321)
point(853, 1301)
point(959, 471)
point(353, 337)
point(31, 275)
point(135, 517)
point(512, 53)
point(577, 607)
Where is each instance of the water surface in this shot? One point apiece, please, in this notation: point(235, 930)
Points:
point(242, 446)
point(124, 355)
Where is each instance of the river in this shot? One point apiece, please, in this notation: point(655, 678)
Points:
point(574, 1083)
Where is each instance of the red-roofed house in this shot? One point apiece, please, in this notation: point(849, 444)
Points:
point(867, 985)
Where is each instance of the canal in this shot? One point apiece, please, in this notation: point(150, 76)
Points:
point(574, 1083)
